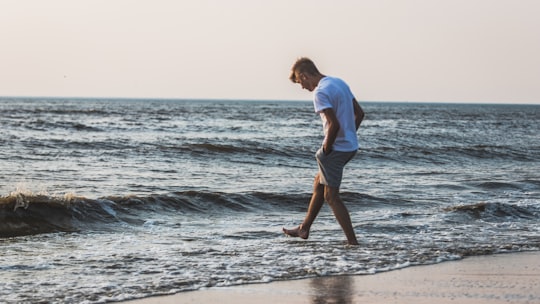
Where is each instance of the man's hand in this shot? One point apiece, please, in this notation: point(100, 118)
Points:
point(327, 150)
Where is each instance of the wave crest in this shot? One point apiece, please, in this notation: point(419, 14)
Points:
point(27, 214)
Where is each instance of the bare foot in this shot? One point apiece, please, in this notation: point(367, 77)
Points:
point(297, 232)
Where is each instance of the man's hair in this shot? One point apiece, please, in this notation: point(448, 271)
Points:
point(303, 65)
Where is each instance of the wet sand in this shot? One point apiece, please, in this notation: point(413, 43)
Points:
point(502, 278)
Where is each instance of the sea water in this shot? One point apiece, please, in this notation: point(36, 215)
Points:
point(111, 199)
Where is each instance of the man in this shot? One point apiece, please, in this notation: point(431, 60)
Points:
point(341, 116)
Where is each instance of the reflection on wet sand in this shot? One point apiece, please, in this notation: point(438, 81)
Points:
point(338, 289)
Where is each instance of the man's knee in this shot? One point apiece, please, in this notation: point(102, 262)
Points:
point(331, 194)
point(317, 186)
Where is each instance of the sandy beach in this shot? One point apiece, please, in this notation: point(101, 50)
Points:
point(502, 278)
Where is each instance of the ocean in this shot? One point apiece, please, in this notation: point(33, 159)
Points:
point(105, 200)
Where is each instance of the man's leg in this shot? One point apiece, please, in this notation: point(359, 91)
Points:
point(341, 213)
point(315, 204)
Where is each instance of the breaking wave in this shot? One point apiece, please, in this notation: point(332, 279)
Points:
point(25, 214)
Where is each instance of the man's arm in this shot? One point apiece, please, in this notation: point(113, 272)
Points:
point(333, 128)
point(358, 113)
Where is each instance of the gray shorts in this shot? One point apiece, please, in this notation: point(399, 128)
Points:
point(331, 166)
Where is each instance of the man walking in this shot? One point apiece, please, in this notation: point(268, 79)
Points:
point(341, 117)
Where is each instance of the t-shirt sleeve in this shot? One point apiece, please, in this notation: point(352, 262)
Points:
point(321, 101)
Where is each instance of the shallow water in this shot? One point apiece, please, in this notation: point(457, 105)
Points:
point(106, 200)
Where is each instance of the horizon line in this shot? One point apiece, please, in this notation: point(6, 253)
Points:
point(262, 100)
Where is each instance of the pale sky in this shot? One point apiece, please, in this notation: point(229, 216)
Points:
point(387, 50)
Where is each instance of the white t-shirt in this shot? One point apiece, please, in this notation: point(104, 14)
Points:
point(334, 93)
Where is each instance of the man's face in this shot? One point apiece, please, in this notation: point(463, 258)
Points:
point(305, 81)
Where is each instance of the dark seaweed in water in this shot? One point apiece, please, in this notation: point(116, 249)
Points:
point(496, 211)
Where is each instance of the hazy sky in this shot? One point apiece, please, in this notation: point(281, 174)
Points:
point(387, 50)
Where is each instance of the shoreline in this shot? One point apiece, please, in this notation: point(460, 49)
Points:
point(499, 278)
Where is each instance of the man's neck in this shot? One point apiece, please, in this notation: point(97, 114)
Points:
point(318, 78)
